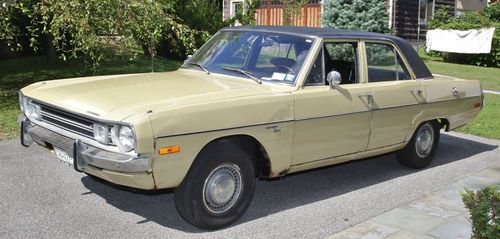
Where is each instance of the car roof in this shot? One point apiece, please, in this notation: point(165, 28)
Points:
point(418, 66)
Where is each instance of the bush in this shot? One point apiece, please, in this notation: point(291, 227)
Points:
point(368, 15)
point(484, 206)
point(471, 20)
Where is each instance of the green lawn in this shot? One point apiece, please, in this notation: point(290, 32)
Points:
point(487, 122)
point(17, 73)
point(489, 76)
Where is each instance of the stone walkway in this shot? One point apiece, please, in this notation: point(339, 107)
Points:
point(439, 215)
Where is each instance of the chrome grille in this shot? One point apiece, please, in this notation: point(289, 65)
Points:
point(67, 121)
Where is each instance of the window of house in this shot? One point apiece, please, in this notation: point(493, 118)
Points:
point(426, 11)
point(384, 63)
point(236, 7)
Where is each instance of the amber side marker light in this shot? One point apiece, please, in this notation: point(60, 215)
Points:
point(170, 150)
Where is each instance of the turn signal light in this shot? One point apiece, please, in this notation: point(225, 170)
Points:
point(170, 150)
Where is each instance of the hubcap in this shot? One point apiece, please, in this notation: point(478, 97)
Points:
point(424, 140)
point(222, 188)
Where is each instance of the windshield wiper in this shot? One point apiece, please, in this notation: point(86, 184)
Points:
point(247, 73)
point(200, 65)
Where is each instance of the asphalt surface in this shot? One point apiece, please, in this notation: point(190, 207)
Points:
point(43, 198)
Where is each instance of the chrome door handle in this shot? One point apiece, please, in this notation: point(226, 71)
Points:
point(454, 91)
point(417, 92)
point(368, 97)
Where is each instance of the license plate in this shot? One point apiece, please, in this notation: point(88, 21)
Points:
point(63, 156)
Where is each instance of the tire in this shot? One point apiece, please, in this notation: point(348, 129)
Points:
point(419, 152)
point(218, 188)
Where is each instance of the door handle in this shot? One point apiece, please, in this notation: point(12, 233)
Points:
point(368, 97)
point(417, 92)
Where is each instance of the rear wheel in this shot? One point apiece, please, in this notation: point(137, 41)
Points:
point(422, 146)
point(218, 188)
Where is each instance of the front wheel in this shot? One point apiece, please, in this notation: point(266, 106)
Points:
point(218, 188)
point(422, 146)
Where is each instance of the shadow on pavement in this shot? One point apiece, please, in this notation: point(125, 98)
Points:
point(278, 195)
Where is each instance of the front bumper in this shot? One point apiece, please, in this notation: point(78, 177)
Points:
point(115, 167)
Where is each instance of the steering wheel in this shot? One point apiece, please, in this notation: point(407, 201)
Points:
point(290, 70)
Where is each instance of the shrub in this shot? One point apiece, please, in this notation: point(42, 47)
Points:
point(365, 15)
point(484, 206)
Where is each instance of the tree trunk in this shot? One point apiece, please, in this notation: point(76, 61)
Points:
point(50, 49)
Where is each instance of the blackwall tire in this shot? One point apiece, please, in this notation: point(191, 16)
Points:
point(420, 151)
point(218, 188)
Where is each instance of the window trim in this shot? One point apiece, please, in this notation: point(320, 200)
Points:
point(402, 56)
point(321, 48)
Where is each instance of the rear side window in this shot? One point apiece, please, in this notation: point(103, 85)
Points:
point(384, 63)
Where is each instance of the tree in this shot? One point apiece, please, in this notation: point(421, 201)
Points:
point(292, 11)
point(365, 15)
point(79, 29)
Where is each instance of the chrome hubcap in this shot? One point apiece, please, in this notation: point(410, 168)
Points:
point(424, 140)
point(222, 188)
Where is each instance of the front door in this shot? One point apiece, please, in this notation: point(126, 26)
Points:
point(331, 122)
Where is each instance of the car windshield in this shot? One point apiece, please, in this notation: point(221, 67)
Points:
point(258, 56)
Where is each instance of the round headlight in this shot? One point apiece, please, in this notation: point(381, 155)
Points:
point(33, 111)
point(101, 133)
point(126, 138)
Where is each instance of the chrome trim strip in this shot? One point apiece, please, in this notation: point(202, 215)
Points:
point(329, 116)
point(230, 128)
point(294, 120)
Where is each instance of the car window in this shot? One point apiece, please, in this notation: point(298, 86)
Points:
point(338, 56)
point(384, 63)
point(261, 56)
point(315, 76)
point(275, 50)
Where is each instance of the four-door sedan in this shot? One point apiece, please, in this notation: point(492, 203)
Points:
point(253, 102)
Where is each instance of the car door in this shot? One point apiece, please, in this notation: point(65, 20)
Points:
point(331, 122)
point(396, 96)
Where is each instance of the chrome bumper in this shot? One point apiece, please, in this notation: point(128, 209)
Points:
point(83, 154)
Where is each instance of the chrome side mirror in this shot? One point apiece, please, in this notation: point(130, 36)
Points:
point(333, 79)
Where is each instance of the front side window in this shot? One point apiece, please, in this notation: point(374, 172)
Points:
point(335, 56)
point(384, 63)
point(265, 56)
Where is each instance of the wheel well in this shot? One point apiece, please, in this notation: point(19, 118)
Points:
point(254, 149)
point(444, 123)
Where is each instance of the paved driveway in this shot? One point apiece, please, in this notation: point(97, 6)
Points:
point(41, 197)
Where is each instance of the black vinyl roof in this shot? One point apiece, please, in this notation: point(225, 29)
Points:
point(417, 65)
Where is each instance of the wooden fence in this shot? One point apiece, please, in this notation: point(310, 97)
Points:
point(270, 13)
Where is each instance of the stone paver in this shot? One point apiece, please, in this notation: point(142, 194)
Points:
point(440, 215)
point(411, 221)
point(458, 227)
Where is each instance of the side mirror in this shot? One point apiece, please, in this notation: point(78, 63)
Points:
point(187, 58)
point(333, 79)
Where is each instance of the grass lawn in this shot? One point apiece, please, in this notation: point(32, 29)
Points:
point(17, 73)
point(487, 122)
point(489, 76)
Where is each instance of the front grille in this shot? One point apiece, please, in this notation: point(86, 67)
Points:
point(67, 121)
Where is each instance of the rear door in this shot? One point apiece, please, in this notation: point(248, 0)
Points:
point(396, 97)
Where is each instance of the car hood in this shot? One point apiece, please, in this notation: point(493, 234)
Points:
point(117, 97)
